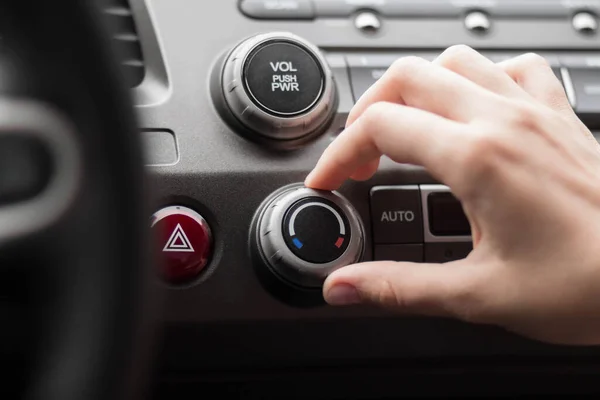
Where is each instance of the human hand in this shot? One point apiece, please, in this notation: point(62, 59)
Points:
point(504, 138)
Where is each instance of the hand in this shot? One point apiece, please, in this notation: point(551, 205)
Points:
point(527, 171)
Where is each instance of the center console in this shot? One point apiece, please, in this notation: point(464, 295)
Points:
point(238, 101)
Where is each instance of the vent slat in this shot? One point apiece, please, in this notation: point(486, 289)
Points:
point(118, 11)
point(133, 63)
point(125, 37)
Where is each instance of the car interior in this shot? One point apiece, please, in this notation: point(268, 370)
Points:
point(156, 238)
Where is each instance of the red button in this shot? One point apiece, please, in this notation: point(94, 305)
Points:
point(185, 242)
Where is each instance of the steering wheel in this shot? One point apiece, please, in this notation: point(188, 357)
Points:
point(73, 215)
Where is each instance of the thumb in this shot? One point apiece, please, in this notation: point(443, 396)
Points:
point(447, 290)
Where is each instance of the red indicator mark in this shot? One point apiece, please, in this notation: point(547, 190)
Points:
point(339, 242)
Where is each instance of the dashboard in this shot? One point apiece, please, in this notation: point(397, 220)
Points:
point(236, 102)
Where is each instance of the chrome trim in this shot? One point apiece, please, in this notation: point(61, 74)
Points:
point(281, 260)
point(569, 88)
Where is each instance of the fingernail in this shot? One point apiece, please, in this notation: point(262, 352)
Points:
point(342, 295)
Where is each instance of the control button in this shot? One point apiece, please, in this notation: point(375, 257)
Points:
point(279, 87)
point(396, 214)
point(446, 215)
point(586, 86)
point(185, 241)
point(399, 252)
point(303, 235)
point(444, 219)
point(283, 78)
point(25, 168)
point(278, 9)
point(367, 22)
point(316, 230)
point(585, 23)
point(445, 252)
point(478, 22)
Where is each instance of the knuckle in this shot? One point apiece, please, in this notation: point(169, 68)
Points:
point(460, 49)
point(533, 60)
point(525, 116)
point(372, 122)
point(406, 67)
point(481, 158)
point(456, 55)
point(375, 113)
point(388, 296)
point(479, 151)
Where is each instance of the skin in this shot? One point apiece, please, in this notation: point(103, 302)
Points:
point(504, 138)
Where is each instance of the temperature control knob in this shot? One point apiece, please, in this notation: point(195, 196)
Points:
point(279, 87)
point(302, 235)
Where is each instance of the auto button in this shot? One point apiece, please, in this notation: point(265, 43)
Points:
point(396, 214)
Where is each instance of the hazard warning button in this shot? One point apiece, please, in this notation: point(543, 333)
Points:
point(185, 243)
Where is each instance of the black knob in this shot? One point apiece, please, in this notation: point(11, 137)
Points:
point(302, 235)
point(278, 87)
point(283, 78)
point(316, 230)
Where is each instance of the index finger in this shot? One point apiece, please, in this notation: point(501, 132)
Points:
point(418, 83)
point(405, 134)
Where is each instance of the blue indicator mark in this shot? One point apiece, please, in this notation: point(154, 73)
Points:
point(297, 242)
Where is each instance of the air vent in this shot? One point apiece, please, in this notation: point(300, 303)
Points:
point(124, 33)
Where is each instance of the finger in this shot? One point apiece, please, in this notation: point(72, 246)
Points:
point(452, 289)
point(470, 64)
point(418, 83)
point(406, 135)
point(533, 73)
point(366, 171)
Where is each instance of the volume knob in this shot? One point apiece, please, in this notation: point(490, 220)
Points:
point(278, 86)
